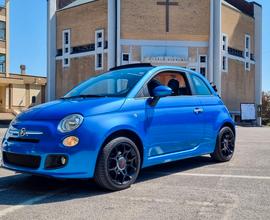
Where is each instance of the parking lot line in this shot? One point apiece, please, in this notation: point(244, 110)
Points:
point(31, 201)
point(220, 175)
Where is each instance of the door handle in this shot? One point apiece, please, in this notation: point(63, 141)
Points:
point(198, 110)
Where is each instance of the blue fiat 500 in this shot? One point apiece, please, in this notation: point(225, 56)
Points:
point(112, 125)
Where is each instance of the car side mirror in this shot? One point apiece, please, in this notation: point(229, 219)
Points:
point(160, 92)
point(214, 86)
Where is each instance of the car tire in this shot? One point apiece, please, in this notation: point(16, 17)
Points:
point(118, 164)
point(225, 145)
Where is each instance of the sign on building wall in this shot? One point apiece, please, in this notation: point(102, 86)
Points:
point(248, 112)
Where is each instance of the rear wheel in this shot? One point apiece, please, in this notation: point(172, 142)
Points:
point(118, 165)
point(225, 145)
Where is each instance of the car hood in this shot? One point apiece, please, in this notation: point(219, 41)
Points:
point(56, 110)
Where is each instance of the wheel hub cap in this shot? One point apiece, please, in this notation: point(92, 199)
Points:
point(226, 143)
point(121, 163)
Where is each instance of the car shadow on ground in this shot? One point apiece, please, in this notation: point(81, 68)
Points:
point(19, 188)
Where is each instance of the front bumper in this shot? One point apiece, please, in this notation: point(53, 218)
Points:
point(30, 154)
point(72, 169)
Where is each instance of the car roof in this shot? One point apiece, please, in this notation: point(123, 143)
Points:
point(129, 66)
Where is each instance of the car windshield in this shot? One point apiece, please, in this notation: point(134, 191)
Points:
point(112, 84)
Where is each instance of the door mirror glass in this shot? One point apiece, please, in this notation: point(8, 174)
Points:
point(162, 91)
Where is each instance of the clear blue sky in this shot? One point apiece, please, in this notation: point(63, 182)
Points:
point(28, 27)
point(28, 37)
point(266, 43)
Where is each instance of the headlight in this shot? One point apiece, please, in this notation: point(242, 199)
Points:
point(10, 127)
point(70, 123)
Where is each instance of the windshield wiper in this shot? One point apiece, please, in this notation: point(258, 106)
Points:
point(84, 96)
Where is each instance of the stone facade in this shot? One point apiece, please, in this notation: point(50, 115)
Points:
point(189, 20)
point(238, 84)
point(142, 31)
point(83, 21)
point(236, 24)
point(84, 69)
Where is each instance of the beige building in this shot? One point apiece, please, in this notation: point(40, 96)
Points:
point(221, 39)
point(17, 91)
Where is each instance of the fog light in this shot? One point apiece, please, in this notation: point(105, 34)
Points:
point(70, 141)
point(56, 161)
point(63, 160)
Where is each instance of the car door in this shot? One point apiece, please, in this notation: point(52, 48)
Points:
point(174, 123)
point(212, 106)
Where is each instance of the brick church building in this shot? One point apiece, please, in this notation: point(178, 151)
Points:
point(221, 39)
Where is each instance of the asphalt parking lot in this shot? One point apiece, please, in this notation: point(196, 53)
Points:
point(189, 189)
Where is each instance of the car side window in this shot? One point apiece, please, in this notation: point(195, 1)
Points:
point(177, 81)
point(200, 86)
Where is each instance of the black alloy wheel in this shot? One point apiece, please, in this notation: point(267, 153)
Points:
point(118, 165)
point(225, 145)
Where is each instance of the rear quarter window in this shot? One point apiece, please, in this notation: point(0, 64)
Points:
point(200, 86)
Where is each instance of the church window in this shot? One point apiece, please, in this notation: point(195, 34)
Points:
point(202, 59)
point(66, 61)
point(247, 66)
point(66, 47)
point(225, 64)
point(99, 39)
point(224, 42)
point(125, 58)
point(247, 52)
point(203, 71)
point(247, 42)
point(99, 34)
point(203, 64)
point(99, 49)
point(66, 38)
point(99, 61)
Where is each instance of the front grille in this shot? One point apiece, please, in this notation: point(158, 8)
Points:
point(27, 140)
point(22, 160)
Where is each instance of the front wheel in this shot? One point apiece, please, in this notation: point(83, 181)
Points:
point(225, 145)
point(118, 165)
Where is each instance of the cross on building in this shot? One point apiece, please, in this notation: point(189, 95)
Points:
point(167, 4)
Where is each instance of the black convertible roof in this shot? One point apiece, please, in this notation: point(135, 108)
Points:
point(135, 65)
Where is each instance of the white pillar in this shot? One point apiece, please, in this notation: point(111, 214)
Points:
point(7, 37)
point(118, 35)
point(217, 45)
point(112, 33)
point(211, 43)
point(51, 49)
point(258, 57)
